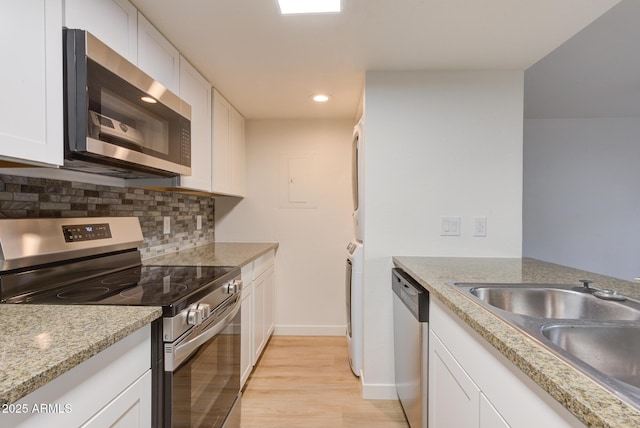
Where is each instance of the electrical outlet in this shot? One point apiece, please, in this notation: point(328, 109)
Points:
point(166, 227)
point(479, 226)
point(199, 222)
point(450, 226)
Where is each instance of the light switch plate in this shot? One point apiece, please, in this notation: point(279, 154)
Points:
point(450, 226)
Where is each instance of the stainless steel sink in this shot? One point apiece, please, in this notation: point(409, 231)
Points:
point(599, 337)
point(555, 301)
point(618, 347)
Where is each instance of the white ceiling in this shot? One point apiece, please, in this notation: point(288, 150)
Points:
point(595, 74)
point(268, 65)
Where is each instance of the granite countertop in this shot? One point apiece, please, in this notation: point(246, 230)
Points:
point(217, 254)
point(41, 342)
point(587, 400)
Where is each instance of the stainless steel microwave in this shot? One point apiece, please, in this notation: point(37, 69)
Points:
point(118, 120)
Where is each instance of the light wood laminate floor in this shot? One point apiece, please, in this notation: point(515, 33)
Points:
point(306, 382)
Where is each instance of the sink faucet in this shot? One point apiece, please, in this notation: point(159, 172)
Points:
point(586, 282)
point(601, 294)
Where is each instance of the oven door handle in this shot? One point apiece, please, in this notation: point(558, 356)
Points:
point(176, 354)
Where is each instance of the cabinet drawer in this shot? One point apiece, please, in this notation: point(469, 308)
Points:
point(262, 263)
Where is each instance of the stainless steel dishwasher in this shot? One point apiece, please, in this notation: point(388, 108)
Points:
point(410, 343)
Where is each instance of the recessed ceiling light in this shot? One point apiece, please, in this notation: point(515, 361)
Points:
point(148, 99)
point(288, 7)
point(321, 98)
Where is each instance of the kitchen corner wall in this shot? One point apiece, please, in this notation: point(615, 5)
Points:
point(436, 144)
point(311, 257)
point(29, 197)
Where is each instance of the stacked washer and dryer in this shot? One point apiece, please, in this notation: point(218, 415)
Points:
point(355, 256)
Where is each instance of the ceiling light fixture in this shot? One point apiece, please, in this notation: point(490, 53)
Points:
point(321, 98)
point(148, 99)
point(288, 7)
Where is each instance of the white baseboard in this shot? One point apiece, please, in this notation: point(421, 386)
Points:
point(378, 391)
point(310, 330)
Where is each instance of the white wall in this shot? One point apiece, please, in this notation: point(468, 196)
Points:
point(580, 193)
point(437, 144)
point(310, 263)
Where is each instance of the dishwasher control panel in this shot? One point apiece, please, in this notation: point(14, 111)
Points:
point(412, 294)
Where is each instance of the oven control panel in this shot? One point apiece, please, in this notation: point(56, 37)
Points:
point(86, 232)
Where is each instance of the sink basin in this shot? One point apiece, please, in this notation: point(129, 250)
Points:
point(553, 302)
point(599, 337)
point(611, 349)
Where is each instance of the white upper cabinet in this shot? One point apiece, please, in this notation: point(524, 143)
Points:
point(238, 155)
point(196, 91)
point(31, 81)
point(157, 57)
point(221, 144)
point(114, 22)
point(229, 169)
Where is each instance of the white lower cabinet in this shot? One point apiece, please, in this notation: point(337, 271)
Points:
point(257, 311)
point(454, 397)
point(112, 388)
point(263, 311)
point(269, 299)
point(489, 416)
point(127, 410)
point(259, 336)
point(246, 339)
point(471, 384)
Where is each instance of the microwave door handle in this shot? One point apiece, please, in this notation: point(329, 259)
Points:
point(182, 351)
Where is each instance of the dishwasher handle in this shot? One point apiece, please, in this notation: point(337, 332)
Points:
point(411, 293)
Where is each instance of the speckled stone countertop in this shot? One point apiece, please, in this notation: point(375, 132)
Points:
point(217, 254)
point(40, 342)
point(588, 401)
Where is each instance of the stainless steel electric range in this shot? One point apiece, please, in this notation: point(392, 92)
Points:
point(87, 261)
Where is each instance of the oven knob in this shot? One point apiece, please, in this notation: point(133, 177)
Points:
point(194, 317)
point(205, 308)
point(232, 287)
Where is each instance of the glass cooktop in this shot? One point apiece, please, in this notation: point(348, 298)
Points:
point(172, 287)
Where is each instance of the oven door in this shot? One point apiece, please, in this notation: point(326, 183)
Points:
point(202, 373)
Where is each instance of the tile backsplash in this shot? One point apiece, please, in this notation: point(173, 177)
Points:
point(29, 197)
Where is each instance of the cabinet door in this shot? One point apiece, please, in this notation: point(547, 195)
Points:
point(259, 338)
point(157, 57)
point(453, 397)
point(31, 81)
point(130, 409)
point(221, 144)
point(88, 389)
point(246, 350)
point(269, 298)
point(196, 91)
point(238, 155)
point(114, 22)
point(489, 416)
